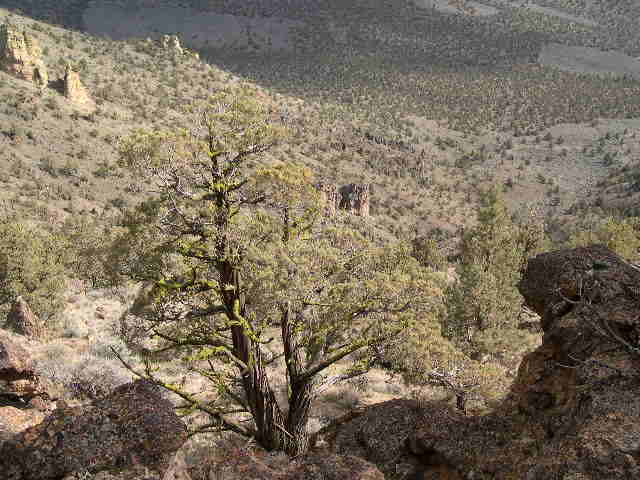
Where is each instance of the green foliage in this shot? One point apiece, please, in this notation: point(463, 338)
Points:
point(32, 265)
point(484, 300)
point(620, 235)
point(229, 244)
point(89, 241)
point(427, 251)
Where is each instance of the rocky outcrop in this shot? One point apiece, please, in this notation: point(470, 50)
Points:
point(14, 420)
point(353, 198)
point(20, 56)
point(22, 320)
point(15, 361)
point(75, 91)
point(171, 43)
point(356, 199)
point(133, 427)
point(573, 411)
point(20, 385)
point(330, 197)
point(580, 389)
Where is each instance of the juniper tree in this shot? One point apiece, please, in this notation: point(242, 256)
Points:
point(622, 235)
point(33, 264)
point(483, 304)
point(230, 247)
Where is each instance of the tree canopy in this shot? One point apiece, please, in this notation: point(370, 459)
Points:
point(33, 264)
point(231, 249)
point(483, 304)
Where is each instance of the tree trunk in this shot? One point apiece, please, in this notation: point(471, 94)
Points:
point(300, 394)
point(298, 418)
point(270, 425)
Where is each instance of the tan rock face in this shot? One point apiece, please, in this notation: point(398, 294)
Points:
point(356, 199)
point(20, 56)
point(22, 320)
point(171, 43)
point(330, 197)
point(75, 91)
point(14, 420)
point(19, 381)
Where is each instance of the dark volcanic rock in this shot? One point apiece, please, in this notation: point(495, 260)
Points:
point(133, 425)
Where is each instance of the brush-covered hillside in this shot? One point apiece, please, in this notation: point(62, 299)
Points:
point(436, 145)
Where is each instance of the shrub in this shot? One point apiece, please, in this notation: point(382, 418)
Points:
point(32, 265)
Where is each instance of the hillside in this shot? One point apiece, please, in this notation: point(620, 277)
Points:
point(430, 102)
point(510, 103)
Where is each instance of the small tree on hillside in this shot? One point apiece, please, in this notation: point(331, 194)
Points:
point(229, 249)
point(622, 235)
point(485, 301)
point(32, 265)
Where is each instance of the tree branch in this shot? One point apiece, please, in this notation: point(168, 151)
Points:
point(344, 351)
point(225, 424)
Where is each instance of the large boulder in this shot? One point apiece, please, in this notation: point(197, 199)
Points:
point(20, 385)
point(573, 411)
point(15, 361)
point(255, 464)
point(133, 427)
point(581, 388)
point(22, 320)
point(20, 56)
point(380, 434)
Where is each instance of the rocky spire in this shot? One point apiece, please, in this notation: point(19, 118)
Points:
point(75, 91)
point(20, 56)
point(354, 198)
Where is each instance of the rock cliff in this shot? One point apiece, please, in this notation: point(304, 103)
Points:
point(132, 426)
point(353, 198)
point(20, 56)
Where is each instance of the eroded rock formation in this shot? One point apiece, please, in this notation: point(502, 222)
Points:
point(330, 196)
point(20, 56)
point(353, 198)
point(356, 198)
point(75, 91)
point(574, 408)
point(172, 44)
